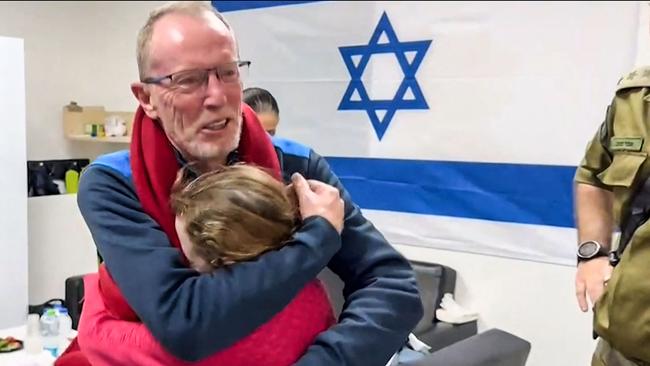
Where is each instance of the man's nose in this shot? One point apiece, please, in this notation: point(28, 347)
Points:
point(215, 95)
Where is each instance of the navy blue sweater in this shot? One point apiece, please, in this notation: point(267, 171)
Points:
point(194, 315)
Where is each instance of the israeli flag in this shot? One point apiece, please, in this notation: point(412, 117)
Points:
point(453, 125)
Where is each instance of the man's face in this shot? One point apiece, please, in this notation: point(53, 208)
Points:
point(205, 124)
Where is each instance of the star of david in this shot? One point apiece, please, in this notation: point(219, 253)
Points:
point(402, 98)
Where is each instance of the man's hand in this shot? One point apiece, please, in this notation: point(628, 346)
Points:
point(318, 198)
point(591, 279)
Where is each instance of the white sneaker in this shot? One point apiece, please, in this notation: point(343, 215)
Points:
point(451, 312)
point(417, 345)
point(414, 349)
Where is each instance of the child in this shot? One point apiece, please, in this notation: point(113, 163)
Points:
point(235, 215)
point(224, 217)
point(232, 215)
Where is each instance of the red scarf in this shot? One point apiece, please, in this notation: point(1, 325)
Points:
point(155, 166)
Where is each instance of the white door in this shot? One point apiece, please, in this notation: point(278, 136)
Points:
point(13, 184)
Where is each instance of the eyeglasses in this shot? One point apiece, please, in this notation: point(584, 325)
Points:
point(191, 80)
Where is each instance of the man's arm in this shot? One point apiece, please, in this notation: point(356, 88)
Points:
point(382, 300)
point(593, 211)
point(193, 315)
point(594, 214)
point(593, 208)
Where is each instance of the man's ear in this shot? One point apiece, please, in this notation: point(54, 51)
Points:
point(144, 98)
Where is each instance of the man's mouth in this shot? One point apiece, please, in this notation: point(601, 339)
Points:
point(216, 125)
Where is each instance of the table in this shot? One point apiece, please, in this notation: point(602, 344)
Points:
point(22, 358)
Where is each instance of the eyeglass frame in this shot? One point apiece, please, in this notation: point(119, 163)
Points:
point(157, 80)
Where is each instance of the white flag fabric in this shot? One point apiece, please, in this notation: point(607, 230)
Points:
point(453, 125)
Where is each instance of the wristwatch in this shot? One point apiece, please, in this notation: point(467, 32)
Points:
point(590, 249)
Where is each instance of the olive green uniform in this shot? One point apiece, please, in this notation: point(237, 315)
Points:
point(617, 160)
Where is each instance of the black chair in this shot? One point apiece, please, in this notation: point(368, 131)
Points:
point(451, 345)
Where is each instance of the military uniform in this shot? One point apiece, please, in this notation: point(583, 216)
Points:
point(617, 160)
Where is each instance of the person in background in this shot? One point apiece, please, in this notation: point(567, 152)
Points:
point(266, 107)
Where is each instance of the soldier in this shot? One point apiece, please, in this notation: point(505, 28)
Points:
point(612, 191)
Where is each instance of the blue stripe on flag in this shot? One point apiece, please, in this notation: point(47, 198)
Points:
point(518, 193)
point(224, 6)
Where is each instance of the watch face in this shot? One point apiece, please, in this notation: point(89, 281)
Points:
point(588, 249)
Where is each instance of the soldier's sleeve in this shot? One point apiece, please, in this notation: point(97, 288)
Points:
point(597, 156)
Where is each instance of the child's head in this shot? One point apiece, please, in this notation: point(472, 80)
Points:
point(232, 215)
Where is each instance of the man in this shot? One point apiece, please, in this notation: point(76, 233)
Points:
point(189, 70)
point(613, 190)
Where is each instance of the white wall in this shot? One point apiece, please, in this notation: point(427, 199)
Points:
point(13, 183)
point(82, 51)
point(60, 246)
point(534, 301)
point(643, 35)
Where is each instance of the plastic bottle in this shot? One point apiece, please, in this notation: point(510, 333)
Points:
point(33, 342)
point(71, 181)
point(65, 327)
point(50, 331)
point(65, 323)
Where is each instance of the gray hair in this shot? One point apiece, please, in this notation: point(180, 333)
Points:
point(192, 8)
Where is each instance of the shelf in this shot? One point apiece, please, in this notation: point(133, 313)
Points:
point(115, 140)
point(75, 121)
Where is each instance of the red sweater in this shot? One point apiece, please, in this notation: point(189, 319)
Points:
point(108, 341)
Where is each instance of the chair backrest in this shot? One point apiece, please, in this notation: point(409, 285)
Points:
point(434, 280)
point(334, 287)
point(74, 294)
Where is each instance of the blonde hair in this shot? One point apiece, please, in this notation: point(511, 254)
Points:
point(192, 8)
point(235, 214)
